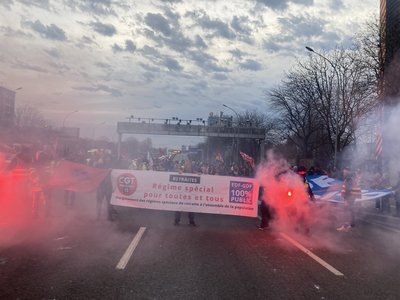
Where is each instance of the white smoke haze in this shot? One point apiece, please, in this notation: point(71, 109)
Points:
point(391, 140)
point(361, 155)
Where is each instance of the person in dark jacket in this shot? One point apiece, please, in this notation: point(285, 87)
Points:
point(104, 193)
point(265, 211)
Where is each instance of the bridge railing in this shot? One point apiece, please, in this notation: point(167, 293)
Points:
point(188, 129)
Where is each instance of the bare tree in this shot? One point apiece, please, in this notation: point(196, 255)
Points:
point(294, 102)
point(323, 99)
point(27, 116)
point(368, 43)
point(258, 119)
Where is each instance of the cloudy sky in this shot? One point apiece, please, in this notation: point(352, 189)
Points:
point(110, 59)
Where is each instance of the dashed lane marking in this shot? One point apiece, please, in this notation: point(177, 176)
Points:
point(129, 251)
point(312, 255)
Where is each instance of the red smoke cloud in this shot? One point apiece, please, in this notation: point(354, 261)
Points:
point(286, 193)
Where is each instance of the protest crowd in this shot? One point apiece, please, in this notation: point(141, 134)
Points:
point(33, 170)
point(30, 172)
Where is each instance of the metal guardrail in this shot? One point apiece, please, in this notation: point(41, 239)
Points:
point(190, 130)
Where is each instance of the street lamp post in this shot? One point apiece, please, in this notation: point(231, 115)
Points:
point(70, 113)
point(237, 116)
point(235, 139)
point(336, 103)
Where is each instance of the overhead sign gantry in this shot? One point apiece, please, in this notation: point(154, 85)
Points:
point(146, 126)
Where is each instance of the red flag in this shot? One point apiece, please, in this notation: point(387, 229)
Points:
point(247, 158)
point(76, 177)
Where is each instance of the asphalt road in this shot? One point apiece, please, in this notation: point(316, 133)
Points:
point(71, 255)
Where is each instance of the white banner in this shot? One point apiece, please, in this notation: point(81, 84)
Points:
point(185, 192)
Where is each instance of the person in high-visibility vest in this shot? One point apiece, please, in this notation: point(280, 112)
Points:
point(350, 192)
point(40, 173)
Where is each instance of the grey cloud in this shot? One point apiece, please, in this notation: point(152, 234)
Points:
point(51, 32)
point(104, 29)
point(330, 40)
point(158, 23)
point(237, 53)
point(272, 46)
point(149, 68)
point(148, 76)
point(85, 40)
point(103, 65)
point(152, 36)
point(220, 76)
point(178, 42)
point(303, 25)
point(101, 88)
point(166, 31)
point(26, 66)
point(251, 65)
point(61, 68)
point(283, 4)
point(117, 48)
point(220, 28)
point(333, 37)
point(150, 73)
point(53, 52)
point(129, 47)
point(242, 28)
point(149, 51)
point(95, 7)
point(9, 32)
point(199, 42)
point(175, 41)
point(246, 39)
point(172, 64)
point(45, 4)
point(173, 17)
point(239, 24)
point(6, 3)
point(206, 62)
point(199, 87)
point(336, 4)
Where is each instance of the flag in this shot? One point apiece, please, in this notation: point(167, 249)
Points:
point(76, 177)
point(247, 158)
point(378, 145)
point(379, 139)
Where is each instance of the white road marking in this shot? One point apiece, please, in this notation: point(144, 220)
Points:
point(312, 255)
point(129, 251)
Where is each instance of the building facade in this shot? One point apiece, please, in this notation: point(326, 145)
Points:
point(7, 107)
point(390, 50)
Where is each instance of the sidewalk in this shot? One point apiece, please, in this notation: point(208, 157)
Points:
point(376, 216)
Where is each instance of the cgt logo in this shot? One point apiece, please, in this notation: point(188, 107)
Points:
point(126, 184)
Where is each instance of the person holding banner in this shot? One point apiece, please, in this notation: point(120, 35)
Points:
point(104, 192)
point(265, 211)
point(187, 168)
